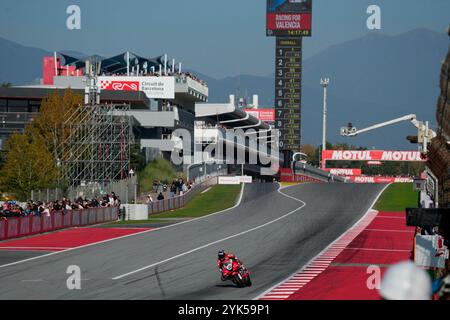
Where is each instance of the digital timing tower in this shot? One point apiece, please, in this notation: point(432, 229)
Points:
point(289, 21)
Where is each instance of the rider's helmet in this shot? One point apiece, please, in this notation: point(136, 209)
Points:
point(221, 254)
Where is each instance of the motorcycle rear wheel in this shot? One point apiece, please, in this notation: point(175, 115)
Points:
point(248, 282)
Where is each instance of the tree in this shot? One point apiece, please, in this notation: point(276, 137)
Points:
point(28, 166)
point(137, 158)
point(311, 152)
point(54, 111)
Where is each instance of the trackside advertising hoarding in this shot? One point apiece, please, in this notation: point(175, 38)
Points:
point(372, 155)
point(266, 115)
point(153, 87)
point(235, 179)
point(378, 179)
point(344, 171)
point(289, 18)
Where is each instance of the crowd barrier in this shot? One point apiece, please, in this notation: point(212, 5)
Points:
point(180, 201)
point(24, 226)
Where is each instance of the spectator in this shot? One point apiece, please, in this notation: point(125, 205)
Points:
point(160, 196)
point(184, 188)
point(173, 189)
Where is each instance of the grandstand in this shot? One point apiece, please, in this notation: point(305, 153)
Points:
point(155, 117)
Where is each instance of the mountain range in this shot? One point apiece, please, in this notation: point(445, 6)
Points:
point(373, 79)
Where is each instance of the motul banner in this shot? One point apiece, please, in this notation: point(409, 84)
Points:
point(372, 155)
point(344, 171)
point(370, 179)
point(267, 115)
point(153, 87)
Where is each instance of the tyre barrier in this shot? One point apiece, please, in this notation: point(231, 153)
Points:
point(25, 226)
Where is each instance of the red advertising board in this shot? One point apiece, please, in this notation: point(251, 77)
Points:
point(46, 223)
point(153, 87)
point(3, 228)
point(57, 219)
point(289, 18)
point(36, 225)
point(13, 227)
point(372, 155)
point(267, 115)
point(289, 21)
point(120, 85)
point(379, 179)
point(24, 226)
point(344, 171)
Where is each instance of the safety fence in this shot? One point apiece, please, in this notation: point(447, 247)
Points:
point(25, 226)
point(180, 201)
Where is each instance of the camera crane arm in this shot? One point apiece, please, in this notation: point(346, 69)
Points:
point(425, 134)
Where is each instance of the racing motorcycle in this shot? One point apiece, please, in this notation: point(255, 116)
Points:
point(238, 274)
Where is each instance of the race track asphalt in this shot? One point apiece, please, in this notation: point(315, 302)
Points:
point(273, 232)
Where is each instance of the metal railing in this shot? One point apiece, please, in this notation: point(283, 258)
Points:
point(126, 190)
point(181, 200)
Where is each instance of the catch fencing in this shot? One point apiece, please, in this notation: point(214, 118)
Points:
point(25, 226)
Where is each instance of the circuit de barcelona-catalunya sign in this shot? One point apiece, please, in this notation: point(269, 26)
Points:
point(153, 87)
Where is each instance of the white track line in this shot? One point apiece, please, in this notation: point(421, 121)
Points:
point(376, 249)
point(383, 230)
point(268, 294)
point(215, 242)
point(129, 235)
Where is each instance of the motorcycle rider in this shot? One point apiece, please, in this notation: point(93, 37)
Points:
point(222, 257)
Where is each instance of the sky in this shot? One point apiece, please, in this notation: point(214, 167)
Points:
point(216, 38)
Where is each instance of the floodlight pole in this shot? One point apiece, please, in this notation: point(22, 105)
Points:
point(128, 63)
point(165, 64)
point(55, 60)
point(324, 82)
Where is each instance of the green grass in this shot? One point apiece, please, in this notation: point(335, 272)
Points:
point(219, 197)
point(397, 197)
